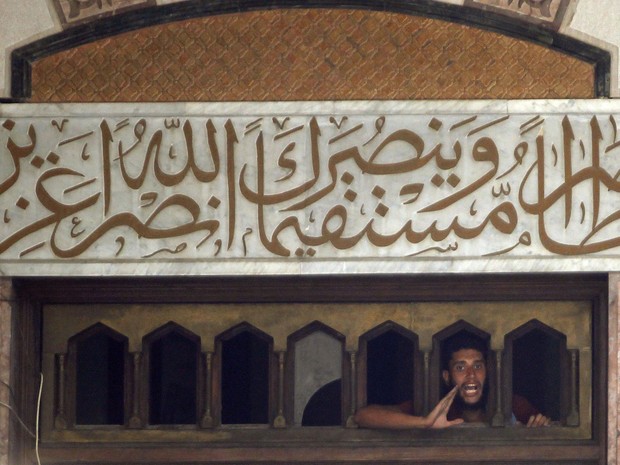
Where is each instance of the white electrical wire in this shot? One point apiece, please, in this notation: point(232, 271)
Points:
point(36, 439)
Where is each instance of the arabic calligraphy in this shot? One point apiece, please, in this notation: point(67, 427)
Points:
point(309, 186)
point(73, 11)
point(548, 11)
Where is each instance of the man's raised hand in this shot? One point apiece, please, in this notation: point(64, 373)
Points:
point(438, 418)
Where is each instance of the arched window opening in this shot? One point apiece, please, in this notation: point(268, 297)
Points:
point(448, 341)
point(246, 354)
point(391, 354)
point(173, 354)
point(537, 359)
point(100, 358)
point(317, 354)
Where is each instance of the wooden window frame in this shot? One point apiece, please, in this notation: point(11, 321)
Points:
point(310, 445)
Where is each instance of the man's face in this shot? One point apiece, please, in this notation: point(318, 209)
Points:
point(468, 371)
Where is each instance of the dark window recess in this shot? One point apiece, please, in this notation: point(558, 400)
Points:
point(99, 381)
point(536, 371)
point(390, 359)
point(245, 380)
point(324, 407)
point(172, 380)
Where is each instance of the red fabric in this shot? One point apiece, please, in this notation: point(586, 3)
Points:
point(522, 409)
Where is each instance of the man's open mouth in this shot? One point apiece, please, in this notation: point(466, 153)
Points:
point(470, 388)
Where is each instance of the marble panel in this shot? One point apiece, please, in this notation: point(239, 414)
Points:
point(310, 187)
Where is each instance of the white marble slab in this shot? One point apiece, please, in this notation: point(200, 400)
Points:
point(310, 187)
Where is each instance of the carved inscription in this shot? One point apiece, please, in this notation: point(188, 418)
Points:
point(312, 186)
point(77, 11)
point(548, 12)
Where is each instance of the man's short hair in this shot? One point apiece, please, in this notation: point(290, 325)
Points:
point(459, 341)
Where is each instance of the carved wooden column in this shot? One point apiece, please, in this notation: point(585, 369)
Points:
point(280, 420)
point(60, 420)
point(427, 381)
point(134, 420)
point(572, 418)
point(207, 417)
point(350, 423)
point(498, 417)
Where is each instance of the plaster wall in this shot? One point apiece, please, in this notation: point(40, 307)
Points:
point(595, 22)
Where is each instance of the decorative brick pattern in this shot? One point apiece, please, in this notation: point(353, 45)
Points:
point(314, 54)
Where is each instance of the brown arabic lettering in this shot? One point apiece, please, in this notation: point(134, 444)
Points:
point(269, 199)
point(484, 150)
point(595, 174)
point(314, 181)
point(503, 218)
point(59, 210)
point(143, 229)
point(17, 152)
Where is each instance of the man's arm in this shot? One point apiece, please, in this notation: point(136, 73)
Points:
point(392, 416)
point(387, 416)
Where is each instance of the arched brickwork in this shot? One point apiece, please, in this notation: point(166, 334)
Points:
point(302, 54)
